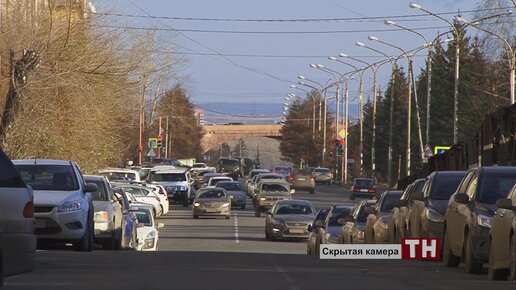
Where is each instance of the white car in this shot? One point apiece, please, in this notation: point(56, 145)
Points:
point(63, 206)
point(162, 193)
point(148, 234)
point(17, 238)
point(120, 174)
point(145, 195)
point(213, 181)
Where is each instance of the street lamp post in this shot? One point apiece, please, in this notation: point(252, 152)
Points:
point(320, 99)
point(313, 101)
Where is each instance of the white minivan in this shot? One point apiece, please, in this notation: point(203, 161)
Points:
point(17, 237)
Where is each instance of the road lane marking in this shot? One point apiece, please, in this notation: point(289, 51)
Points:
point(235, 217)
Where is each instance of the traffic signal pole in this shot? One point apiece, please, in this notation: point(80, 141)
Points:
point(159, 136)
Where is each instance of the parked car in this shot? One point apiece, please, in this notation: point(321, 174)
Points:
point(269, 192)
point(353, 231)
point(160, 191)
point(212, 201)
point(147, 230)
point(399, 228)
point(235, 191)
point(427, 214)
point(285, 171)
point(322, 175)
point(330, 228)
point(304, 180)
point(469, 215)
point(17, 236)
point(363, 187)
point(502, 237)
point(314, 230)
point(129, 221)
point(63, 205)
point(289, 219)
point(377, 225)
point(108, 214)
point(177, 182)
point(144, 195)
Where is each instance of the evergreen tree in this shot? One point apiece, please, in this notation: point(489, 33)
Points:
point(240, 149)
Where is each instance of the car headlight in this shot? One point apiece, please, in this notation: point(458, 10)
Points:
point(101, 216)
point(360, 234)
point(484, 220)
point(434, 216)
point(263, 199)
point(197, 204)
point(70, 206)
point(151, 235)
point(332, 239)
point(226, 204)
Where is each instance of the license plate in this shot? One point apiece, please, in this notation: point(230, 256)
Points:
point(364, 190)
point(296, 231)
point(301, 179)
point(212, 210)
point(41, 224)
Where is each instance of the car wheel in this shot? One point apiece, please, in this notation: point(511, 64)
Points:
point(110, 244)
point(352, 197)
point(473, 266)
point(492, 273)
point(118, 241)
point(195, 216)
point(449, 259)
point(85, 244)
point(317, 246)
point(512, 265)
point(257, 212)
point(267, 236)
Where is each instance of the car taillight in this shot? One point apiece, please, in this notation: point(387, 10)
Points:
point(28, 210)
point(356, 189)
point(313, 175)
point(372, 190)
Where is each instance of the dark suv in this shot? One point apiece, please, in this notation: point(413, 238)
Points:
point(229, 166)
point(363, 187)
point(427, 213)
point(469, 215)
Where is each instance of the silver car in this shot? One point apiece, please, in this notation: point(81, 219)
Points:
point(17, 238)
point(289, 219)
point(235, 191)
point(212, 201)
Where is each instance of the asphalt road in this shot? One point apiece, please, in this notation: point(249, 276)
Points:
point(212, 253)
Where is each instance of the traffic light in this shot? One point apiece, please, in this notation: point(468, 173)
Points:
point(160, 144)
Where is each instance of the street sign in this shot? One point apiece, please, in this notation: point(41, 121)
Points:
point(342, 133)
point(428, 151)
point(153, 143)
point(151, 153)
point(440, 149)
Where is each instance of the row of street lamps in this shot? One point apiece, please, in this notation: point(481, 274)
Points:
point(339, 78)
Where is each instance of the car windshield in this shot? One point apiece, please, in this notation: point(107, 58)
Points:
point(144, 218)
point(336, 214)
point(254, 173)
point(293, 208)
point(495, 186)
point(445, 186)
point(389, 202)
point(100, 194)
point(364, 182)
point(229, 162)
point(49, 177)
point(230, 186)
point(282, 169)
point(171, 177)
point(322, 170)
point(212, 194)
point(274, 188)
point(270, 177)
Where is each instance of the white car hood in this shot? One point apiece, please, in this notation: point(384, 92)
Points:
point(144, 231)
point(56, 198)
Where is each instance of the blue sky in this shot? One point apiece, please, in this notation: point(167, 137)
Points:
point(215, 79)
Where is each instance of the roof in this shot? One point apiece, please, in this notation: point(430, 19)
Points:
point(40, 162)
point(94, 177)
point(125, 170)
point(277, 181)
point(498, 169)
point(169, 171)
point(295, 201)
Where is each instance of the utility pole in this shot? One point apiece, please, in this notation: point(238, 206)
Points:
point(166, 139)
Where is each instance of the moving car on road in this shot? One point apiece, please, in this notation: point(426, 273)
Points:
point(235, 191)
point(269, 192)
point(322, 175)
point(17, 237)
point(216, 179)
point(212, 201)
point(108, 214)
point(285, 171)
point(502, 236)
point(177, 183)
point(289, 219)
point(363, 187)
point(470, 213)
point(229, 167)
point(304, 180)
point(63, 205)
point(377, 225)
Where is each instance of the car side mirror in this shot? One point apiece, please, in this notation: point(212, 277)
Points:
point(319, 223)
point(160, 225)
point(461, 198)
point(90, 187)
point(505, 203)
point(370, 210)
point(418, 195)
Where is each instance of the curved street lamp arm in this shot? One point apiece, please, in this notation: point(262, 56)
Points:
point(507, 44)
point(407, 29)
